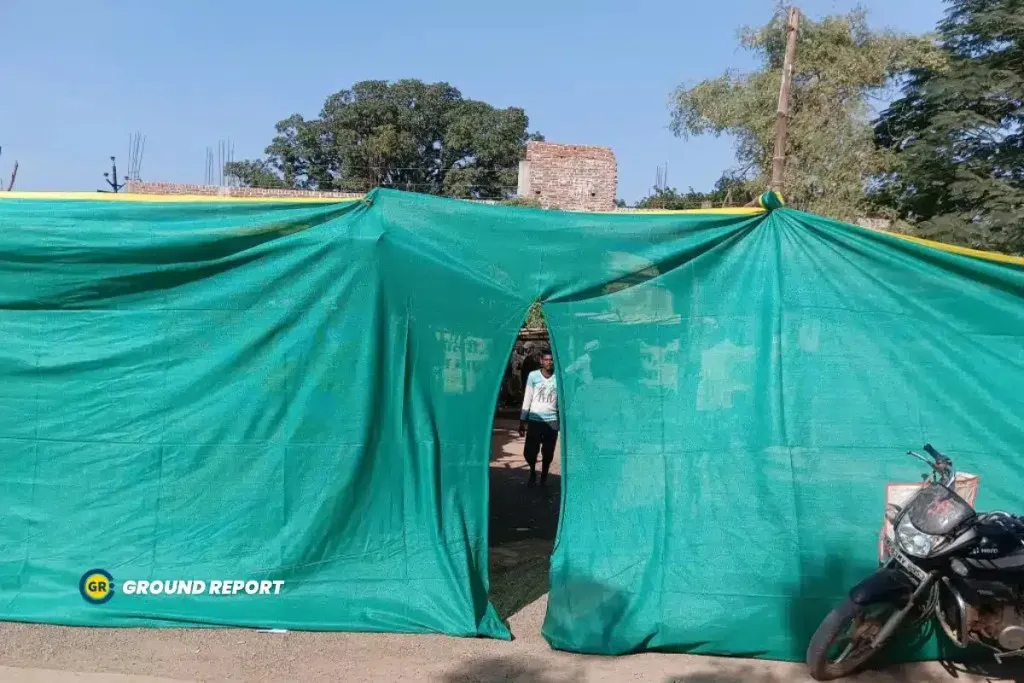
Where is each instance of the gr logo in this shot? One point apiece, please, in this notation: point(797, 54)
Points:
point(96, 586)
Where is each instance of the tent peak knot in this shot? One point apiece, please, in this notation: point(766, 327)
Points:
point(769, 201)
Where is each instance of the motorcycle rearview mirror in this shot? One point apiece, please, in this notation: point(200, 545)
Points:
point(892, 511)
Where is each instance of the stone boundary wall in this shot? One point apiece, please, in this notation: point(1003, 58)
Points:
point(152, 188)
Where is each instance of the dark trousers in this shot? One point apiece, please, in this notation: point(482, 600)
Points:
point(542, 437)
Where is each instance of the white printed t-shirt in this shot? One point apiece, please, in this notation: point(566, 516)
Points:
point(540, 400)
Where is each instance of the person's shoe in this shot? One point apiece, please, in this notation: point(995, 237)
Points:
point(532, 481)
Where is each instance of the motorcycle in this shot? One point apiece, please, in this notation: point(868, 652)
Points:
point(945, 561)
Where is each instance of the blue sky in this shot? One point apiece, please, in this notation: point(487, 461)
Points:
point(80, 76)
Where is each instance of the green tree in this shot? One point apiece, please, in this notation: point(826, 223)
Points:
point(255, 173)
point(729, 191)
point(408, 134)
point(669, 198)
point(840, 66)
point(958, 132)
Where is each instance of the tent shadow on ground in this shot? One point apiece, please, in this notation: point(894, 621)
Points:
point(989, 670)
point(512, 669)
point(522, 669)
point(522, 526)
point(519, 669)
point(750, 674)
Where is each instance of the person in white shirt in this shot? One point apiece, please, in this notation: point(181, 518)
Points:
point(538, 420)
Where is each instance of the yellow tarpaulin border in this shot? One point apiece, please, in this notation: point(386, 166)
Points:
point(738, 211)
point(954, 249)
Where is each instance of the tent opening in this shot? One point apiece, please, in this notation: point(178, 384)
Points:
point(523, 518)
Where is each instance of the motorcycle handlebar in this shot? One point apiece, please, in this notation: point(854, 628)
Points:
point(942, 465)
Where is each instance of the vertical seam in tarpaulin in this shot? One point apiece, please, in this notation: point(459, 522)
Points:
point(778, 221)
point(35, 474)
point(161, 446)
point(665, 526)
point(664, 517)
point(37, 400)
point(163, 433)
point(780, 311)
point(406, 372)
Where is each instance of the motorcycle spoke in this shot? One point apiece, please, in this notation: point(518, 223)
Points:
point(859, 634)
point(845, 653)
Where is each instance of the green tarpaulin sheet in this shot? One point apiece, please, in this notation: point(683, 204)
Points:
point(303, 393)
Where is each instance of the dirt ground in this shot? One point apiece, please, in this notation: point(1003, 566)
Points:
point(524, 522)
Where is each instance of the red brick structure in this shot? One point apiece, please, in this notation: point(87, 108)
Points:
point(569, 177)
point(139, 187)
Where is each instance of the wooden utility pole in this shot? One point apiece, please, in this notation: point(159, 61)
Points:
point(782, 115)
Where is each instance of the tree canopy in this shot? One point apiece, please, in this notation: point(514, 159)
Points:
point(421, 137)
point(958, 132)
point(841, 64)
point(728, 191)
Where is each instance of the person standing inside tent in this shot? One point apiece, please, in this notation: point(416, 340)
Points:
point(538, 421)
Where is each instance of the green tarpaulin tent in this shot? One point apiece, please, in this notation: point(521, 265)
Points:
point(233, 394)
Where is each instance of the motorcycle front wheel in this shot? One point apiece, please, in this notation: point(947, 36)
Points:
point(842, 644)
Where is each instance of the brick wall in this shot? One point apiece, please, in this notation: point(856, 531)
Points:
point(569, 177)
point(139, 187)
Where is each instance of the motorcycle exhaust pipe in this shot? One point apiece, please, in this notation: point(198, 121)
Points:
point(893, 622)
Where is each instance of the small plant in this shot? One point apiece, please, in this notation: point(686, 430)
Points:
point(524, 202)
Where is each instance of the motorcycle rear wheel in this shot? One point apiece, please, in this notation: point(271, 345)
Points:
point(864, 621)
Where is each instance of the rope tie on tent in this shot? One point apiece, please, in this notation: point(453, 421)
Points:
point(769, 201)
